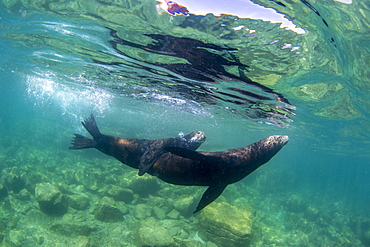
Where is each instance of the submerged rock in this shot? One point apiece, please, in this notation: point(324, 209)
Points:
point(15, 238)
point(295, 204)
point(3, 227)
point(174, 214)
point(35, 177)
point(35, 217)
point(107, 212)
point(120, 194)
point(142, 211)
point(3, 191)
point(90, 178)
point(14, 179)
point(78, 202)
point(151, 233)
point(144, 185)
point(312, 214)
point(159, 213)
point(21, 237)
point(50, 199)
point(226, 225)
point(82, 241)
point(186, 205)
point(364, 227)
point(70, 230)
point(365, 238)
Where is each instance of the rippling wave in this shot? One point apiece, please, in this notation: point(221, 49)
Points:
point(200, 76)
point(167, 68)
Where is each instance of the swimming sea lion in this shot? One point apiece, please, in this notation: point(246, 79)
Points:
point(130, 150)
point(215, 169)
point(182, 166)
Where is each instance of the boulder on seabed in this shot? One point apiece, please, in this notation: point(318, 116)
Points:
point(91, 179)
point(186, 205)
point(79, 201)
point(152, 233)
point(3, 191)
point(144, 185)
point(120, 194)
point(296, 204)
point(108, 213)
point(14, 179)
point(226, 225)
point(51, 199)
point(142, 211)
point(70, 229)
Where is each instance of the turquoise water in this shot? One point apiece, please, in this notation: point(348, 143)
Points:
point(150, 75)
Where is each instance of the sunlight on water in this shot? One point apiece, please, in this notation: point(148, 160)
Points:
point(45, 91)
point(83, 32)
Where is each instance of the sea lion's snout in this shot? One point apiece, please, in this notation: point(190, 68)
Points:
point(277, 140)
point(280, 140)
point(284, 139)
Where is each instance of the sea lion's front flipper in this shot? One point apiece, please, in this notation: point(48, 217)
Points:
point(148, 159)
point(187, 153)
point(209, 196)
point(160, 146)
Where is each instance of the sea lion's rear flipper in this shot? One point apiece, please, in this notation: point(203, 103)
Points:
point(187, 153)
point(91, 127)
point(81, 142)
point(209, 196)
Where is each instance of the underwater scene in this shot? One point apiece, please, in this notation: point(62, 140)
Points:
point(187, 123)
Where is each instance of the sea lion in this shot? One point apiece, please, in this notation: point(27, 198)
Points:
point(130, 150)
point(215, 169)
point(182, 166)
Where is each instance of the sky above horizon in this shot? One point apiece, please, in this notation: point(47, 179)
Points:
point(240, 8)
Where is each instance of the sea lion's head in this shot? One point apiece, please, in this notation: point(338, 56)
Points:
point(268, 147)
point(196, 136)
point(273, 143)
point(279, 140)
point(195, 139)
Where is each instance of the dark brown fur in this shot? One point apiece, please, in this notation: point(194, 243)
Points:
point(185, 166)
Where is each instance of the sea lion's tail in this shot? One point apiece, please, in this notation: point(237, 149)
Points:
point(91, 127)
point(81, 142)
